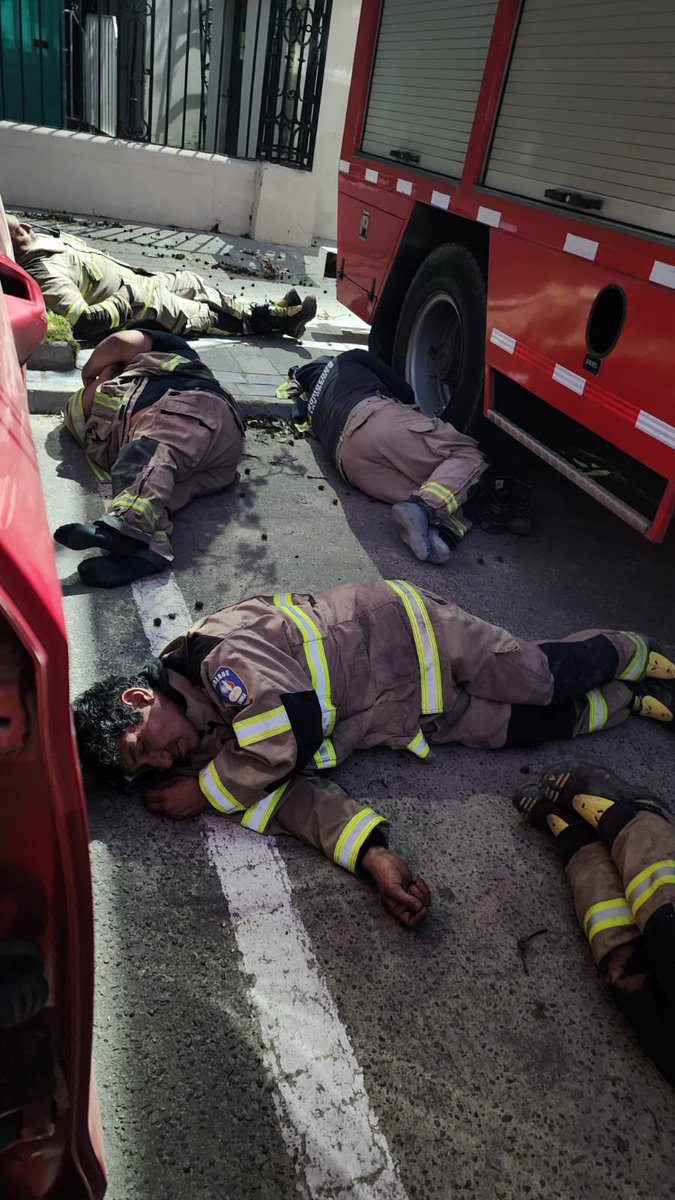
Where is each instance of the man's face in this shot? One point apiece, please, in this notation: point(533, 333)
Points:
point(163, 736)
point(22, 235)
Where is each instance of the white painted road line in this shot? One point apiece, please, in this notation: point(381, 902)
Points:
point(325, 1116)
point(326, 1120)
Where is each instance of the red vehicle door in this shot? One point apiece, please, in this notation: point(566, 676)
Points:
point(50, 1143)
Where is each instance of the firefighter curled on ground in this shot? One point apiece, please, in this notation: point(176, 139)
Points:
point(153, 420)
point(437, 479)
point(246, 709)
point(618, 851)
point(98, 294)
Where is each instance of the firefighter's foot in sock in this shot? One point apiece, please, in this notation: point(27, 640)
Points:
point(413, 527)
point(97, 537)
point(439, 550)
point(112, 572)
point(561, 784)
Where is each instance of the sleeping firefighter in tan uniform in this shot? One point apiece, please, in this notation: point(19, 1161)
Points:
point(258, 699)
point(97, 293)
point(362, 414)
point(618, 851)
point(154, 421)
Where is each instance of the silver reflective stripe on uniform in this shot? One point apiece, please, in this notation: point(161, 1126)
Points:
point(607, 914)
point(425, 645)
point(442, 493)
point(215, 791)
point(353, 836)
point(129, 502)
point(638, 663)
point(75, 311)
point(258, 816)
point(258, 729)
point(317, 663)
point(642, 887)
point(598, 713)
point(74, 418)
point(419, 745)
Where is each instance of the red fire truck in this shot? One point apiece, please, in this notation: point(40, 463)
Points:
point(507, 226)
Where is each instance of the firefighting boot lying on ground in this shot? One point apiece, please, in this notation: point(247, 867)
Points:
point(568, 787)
point(531, 804)
point(97, 536)
point(655, 698)
point(661, 662)
point(112, 571)
point(285, 318)
point(506, 507)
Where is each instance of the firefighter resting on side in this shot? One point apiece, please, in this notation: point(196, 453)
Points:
point(361, 413)
point(152, 419)
point(246, 709)
point(97, 293)
point(618, 851)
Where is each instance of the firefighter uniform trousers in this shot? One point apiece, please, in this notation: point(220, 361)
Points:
point(284, 687)
point(393, 452)
point(82, 285)
point(624, 894)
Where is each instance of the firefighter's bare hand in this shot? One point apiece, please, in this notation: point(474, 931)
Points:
point(178, 798)
point(403, 894)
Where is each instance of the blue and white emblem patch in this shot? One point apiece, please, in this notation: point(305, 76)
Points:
point(228, 685)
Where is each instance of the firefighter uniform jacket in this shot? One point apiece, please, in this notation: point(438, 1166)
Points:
point(291, 684)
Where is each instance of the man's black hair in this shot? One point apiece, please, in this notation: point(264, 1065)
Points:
point(101, 716)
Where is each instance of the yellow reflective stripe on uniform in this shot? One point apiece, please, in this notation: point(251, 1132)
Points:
point(442, 493)
point(598, 713)
point(419, 745)
point(102, 475)
point(638, 663)
point(425, 644)
point(148, 302)
point(607, 914)
point(74, 418)
point(113, 402)
point(642, 887)
point(266, 725)
point(315, 655)
point(112, 311)
point(258, 816)
point(172, 363)
point(138, 504)
point(75, 311)
point(325, 757)
point(353, 836)
point(215, 791)
point(95, 271)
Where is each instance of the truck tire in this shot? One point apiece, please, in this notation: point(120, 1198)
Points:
point(439, 345)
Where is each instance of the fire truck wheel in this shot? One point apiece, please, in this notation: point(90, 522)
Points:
point(440, 338)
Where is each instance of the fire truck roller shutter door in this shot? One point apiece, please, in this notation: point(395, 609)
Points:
point(440, 337)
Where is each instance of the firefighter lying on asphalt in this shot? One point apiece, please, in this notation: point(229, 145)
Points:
point(618, 851)
point(248, 707)
point(97, 293)
point(152, 419)
point(361, 413)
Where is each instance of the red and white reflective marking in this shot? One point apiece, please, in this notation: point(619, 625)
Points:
point(582, 247)
point(663, 273)
point(371, 176)
point(344, 166)
point(489, 216)
point(440, 200)
point(405, 186)
point(503, 340)
point(569, 379)
point(656, 428)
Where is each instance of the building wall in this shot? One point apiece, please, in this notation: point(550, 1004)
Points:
point(108, 177)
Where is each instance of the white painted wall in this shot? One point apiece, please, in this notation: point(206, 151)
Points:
point(102, 176)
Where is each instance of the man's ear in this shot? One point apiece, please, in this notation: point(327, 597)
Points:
point(138, 697)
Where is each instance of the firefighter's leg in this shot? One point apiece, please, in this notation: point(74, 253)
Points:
point(606, 919)
point(153, 301)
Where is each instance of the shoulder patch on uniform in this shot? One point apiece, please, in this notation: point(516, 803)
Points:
point(228, 685)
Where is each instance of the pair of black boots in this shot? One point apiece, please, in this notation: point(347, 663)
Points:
point(123, 562)
point(506, 507)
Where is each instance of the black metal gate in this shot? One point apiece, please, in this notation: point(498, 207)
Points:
point(294, 65)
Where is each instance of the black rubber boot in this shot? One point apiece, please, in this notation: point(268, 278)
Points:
point(655, 698)
point(112, 572)
point(97, 537)
point(519, 517)
point(492, 508)
point(560, 783)
point(294, 326)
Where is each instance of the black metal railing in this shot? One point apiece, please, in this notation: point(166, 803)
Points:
point(236, 77)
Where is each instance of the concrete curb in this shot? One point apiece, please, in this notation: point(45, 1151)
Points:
point(48, 392)
point(53, 356)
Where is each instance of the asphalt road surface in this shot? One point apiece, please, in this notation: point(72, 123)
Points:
point(263, 1029)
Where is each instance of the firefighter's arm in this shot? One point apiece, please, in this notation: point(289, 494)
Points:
point(116, 350)
point(63, 297)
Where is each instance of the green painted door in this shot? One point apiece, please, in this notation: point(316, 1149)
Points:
point(31, 61)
